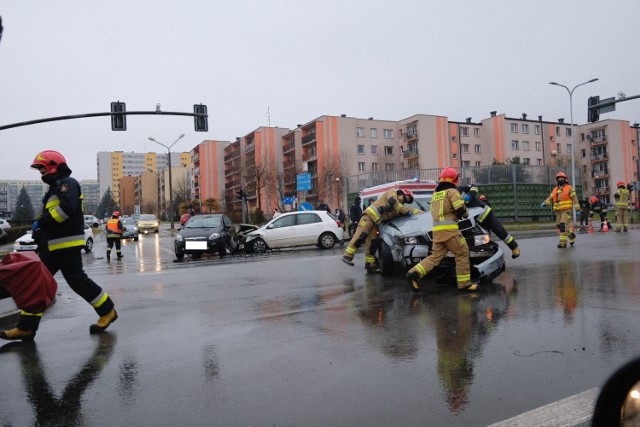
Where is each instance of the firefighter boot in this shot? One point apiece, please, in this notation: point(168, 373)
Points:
point(18, 334)
point(119, 256)
point(572, 238)
point(625, 229)
point(108, 256)
point(412, 278)
point(470, 287)
point(515, 253)
point(348, 260)
point(373, 268)
point(104, 322)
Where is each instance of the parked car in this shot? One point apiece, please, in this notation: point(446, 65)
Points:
point(404, 241)
point(26, 242)
point(4, 224)
point(91, 221)
point(296, 229)
point(130, 228)
point(209, 233)
point(148, 223)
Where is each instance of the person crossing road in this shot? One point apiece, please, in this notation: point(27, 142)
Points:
point(563, 198)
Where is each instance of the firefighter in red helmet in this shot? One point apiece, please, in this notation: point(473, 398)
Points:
point(388, 206)
point(59, 233)
point(114, 235)
point(622, 198)
point(563, 198)
point(447, 208)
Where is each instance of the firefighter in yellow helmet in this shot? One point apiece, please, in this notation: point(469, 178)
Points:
point(114, 235)
point(447, 208)
point(563, 198)
point(387, 207)
point(621, 197)
point(59, 233)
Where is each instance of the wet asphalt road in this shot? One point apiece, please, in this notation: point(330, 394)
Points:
point(299, 338)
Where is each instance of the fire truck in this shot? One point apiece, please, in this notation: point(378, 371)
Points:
point(422, 191)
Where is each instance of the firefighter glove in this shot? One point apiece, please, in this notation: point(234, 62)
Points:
point(466, 198)
point(543, 204)
point(35, 225)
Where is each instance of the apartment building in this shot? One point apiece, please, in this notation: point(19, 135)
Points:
point(207, 170)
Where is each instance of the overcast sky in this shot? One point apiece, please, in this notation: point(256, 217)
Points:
point(298, 60)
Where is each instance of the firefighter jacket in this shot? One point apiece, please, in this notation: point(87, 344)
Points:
point(388, 207)
point(598, 208)
point(447, 207)
point(62, 222)
point(622, 198)
point(114, 228)
point(563, 198)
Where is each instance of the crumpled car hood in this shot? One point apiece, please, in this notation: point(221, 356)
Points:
point(415, 225)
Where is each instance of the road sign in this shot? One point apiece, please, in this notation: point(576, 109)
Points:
point(304, 182)
point(305, 206)
point(287, 200)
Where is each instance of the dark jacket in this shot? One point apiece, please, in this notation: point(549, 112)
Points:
point(61, 224)
point(355, 212)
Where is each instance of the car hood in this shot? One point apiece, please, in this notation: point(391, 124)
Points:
point(27, 238)
point(199, 232)
point(415, 225)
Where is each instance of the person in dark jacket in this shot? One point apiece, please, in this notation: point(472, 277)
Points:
point(59, 234)
point(355, 211)
point(600, 208)
point(322, 206)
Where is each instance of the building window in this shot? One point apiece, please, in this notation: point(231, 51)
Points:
point(476, 132)
point(557, 130)
point(374, 132)
point(454, 156)
point(360, 132)
point(525, 128)
point(525, 145)
point(584, 154)
point(536, 129)
point(388, 133)
point(569, 148)
point(464, 148)
point(539, 162)
point(538, 146)
point(374, 167)
point(388, 149)
point(476, 149)
point(526, 161)
point(360, 149)
point(466, 164)
point(568, 131)
point(515, 145)
point(388, 167)
point(464, 131)
point(478, 163)
point(361, 166)
point(514, 127)
point(374, 150)
point(558, 148)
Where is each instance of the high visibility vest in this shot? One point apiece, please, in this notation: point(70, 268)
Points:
point(112, 226)
point(623, 201)
point(563, 200)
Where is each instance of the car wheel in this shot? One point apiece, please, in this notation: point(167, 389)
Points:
point(387, 265)
point(222, 251)
point(326, 241)
point(135, 239)
point(88, 247)
point(196, 256)
point(179, 255)
point(95, 225)
point(258, 245)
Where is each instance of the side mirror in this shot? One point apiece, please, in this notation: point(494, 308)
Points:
point(618, 403)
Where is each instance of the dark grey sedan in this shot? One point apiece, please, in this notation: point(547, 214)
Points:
point(208, 233)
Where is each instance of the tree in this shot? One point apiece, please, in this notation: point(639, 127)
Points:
point(24, 208)
point(211, 204)
point(107, 204)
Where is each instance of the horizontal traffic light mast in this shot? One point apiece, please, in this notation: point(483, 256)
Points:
point(118, 120)
point(595, 106)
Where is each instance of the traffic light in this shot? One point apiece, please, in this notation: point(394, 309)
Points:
point(593, 113)
point(118, 121)
point(201, 122)
point(241, 194)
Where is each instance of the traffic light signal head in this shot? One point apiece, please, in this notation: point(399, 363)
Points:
point(241, 194)
point(118, 121)
point(593, 113)
point(202, 120)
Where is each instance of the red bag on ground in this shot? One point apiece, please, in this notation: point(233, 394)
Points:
point(27, 280)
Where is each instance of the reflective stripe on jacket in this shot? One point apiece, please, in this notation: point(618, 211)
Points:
point(563, 198)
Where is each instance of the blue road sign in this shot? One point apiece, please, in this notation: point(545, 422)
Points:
point(305, 206)
point(303, 182)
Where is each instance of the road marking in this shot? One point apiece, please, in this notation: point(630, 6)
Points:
point(567, 412)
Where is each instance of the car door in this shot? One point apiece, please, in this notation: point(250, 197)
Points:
point(308, 228)
point(281, 232)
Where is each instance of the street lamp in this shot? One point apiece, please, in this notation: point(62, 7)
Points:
point(170, 176)
point(573, 145)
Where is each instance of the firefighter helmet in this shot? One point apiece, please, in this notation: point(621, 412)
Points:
point(116, 213)
point(408, 196)
point(561, 175)
point(449, 174)
point(620, 184)
point(594, 199)
point(48, 159)
point(483, 197)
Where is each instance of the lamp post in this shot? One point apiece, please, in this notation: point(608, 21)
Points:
point(170, 176)
point(573, 145)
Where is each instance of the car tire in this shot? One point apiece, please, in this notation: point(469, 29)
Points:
point(387, 265)
point(179, 255)
point(96, 225)
point(326, 241)
point(222, 251)
point(88, 247)
point(135, 239)
point(259, 245)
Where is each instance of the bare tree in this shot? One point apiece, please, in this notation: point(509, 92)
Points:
point(258, 175)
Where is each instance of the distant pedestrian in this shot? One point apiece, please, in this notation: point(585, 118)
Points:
point(563, 199)
point(322, 206)
point(114, 235)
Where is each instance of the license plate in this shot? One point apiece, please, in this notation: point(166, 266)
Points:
point(195, 245)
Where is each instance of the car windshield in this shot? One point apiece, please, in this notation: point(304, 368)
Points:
point(127, 221)
point(147, 218)
point(199, 221)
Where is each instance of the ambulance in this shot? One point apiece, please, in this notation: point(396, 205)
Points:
point(422, 191)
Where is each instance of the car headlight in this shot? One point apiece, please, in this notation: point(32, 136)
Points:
point(214, 236)
point(481, 239)
point(179, 238)
point(410, 241)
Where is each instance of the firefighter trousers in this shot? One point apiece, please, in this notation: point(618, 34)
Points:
point(367, 233)
point(563, 221)
point(458, 247)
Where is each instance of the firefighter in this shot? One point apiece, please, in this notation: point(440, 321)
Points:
point(487, 218)
point(114, 235)
point(447, 208)
point(59, 233)
point(621, 197)
point(585, 210)
point(600, 208)
point(563, 199)
point(388, 206)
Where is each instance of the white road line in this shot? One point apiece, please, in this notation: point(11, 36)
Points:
point(567, 412)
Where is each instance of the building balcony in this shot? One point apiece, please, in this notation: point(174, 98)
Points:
point(410, 154)
point(603, 191)
point(599, 158)
point(308, 139)
point(288, 148)
point(600, 174)
point(250, 147)
point(594, 142)
point(411, 135)
point(233, 155)
point(308, 157)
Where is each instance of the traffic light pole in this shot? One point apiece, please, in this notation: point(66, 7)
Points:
point(609, 104)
